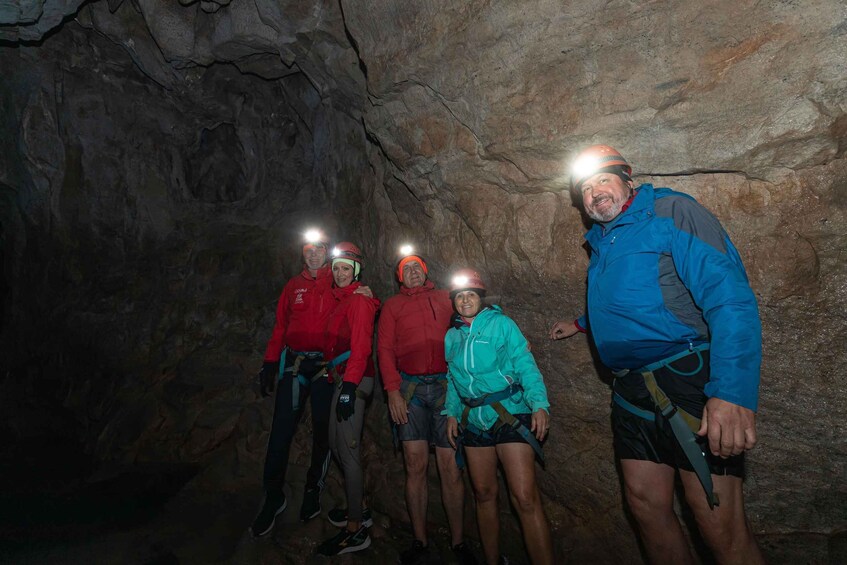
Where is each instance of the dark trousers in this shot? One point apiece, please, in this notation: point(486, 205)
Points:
point(284, 426)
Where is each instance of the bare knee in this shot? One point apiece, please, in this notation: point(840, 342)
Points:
point(526, 500)
point(646, 504)
point(485, 493)
point(416, 466)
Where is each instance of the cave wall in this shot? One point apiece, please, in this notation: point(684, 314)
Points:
point(159, 158)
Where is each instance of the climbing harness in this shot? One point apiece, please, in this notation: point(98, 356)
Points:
point(409, 397)
point(415, 380)
point(683, 424)
point(504, 418)
point(313, 359)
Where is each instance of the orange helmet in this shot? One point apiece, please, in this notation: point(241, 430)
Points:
point(467, 279)
point(349, 253)
point(592, 160)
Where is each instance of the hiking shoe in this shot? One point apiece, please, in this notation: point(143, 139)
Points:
point(346, 542)
point(464, 554)
point(338, 517)
point(311, 506)
point(273, 505)
point(415, 555)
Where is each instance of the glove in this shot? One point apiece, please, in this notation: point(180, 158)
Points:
point(267, 378)
point(346, 404)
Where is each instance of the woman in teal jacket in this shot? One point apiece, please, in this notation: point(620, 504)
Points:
point(497, 393)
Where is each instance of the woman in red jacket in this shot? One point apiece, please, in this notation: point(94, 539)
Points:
point(347, 349)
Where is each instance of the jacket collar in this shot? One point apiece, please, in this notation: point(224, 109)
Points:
point(341, 293)
point(425, 287)
point(640, 209)
point(460, 324)
point(323, 273)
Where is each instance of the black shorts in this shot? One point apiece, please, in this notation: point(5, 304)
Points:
point(425, 419)
point(645, 440)
point(495, 436)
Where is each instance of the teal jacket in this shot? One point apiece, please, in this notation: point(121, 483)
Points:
point(487, 356)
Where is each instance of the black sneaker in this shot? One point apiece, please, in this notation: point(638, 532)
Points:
point(346, 542)
point(274, 504)
point(415, 555)
point(464, 554)
point(311, 506)
point(338, 517)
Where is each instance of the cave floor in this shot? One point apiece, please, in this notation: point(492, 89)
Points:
point(75, 512)
point(72, 512)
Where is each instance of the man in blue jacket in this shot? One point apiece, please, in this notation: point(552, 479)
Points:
point(672, 314)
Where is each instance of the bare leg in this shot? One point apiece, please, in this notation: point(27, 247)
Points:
point(649, 493)
point(452, 491)
point(519, 464)
point(482, 465)
point(416, 454)
point(725, 529)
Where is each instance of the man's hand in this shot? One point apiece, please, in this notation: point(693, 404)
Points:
point(563, 329)
point(731, 428)
point(366, 290)
point(452, 430)
point(397, 407)
point(346, 404)
point(267, 378)
point(540, 423)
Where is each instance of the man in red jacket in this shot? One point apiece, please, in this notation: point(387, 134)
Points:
point(410, 348)
point(301, 317)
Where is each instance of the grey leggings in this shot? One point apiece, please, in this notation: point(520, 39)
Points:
point(345, 438)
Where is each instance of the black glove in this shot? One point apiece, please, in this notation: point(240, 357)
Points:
point(267, 378)
point(346, 404)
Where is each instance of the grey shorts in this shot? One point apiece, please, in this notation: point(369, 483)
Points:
point(425, 419)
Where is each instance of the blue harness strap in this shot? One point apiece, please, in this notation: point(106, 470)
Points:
point(504, 417)
point(338, 360)
point(683, 425)
point(298, 378)
point(415, 380)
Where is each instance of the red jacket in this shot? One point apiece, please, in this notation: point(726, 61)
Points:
point(351, 328)
point(301, 314)
point(411, 332)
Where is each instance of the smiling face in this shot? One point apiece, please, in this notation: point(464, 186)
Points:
point(342, 274)
point(467, 303)
point(314, 256)
point(603, 196)
point(413, 275)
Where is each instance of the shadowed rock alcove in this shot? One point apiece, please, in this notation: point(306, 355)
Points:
point(159, 160)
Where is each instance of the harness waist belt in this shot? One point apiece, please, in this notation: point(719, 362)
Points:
point(423, 379)
point(504, 417)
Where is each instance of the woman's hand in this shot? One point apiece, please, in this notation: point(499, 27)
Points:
point(452, 430)
point(540, 424)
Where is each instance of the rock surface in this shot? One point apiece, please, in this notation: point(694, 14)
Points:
point(158, 160)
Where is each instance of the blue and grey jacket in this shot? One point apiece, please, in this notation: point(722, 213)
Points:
point(663, 277)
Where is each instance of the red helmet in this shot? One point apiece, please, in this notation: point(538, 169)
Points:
point(467, 279)
point(349, 253)
point(592, 160)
